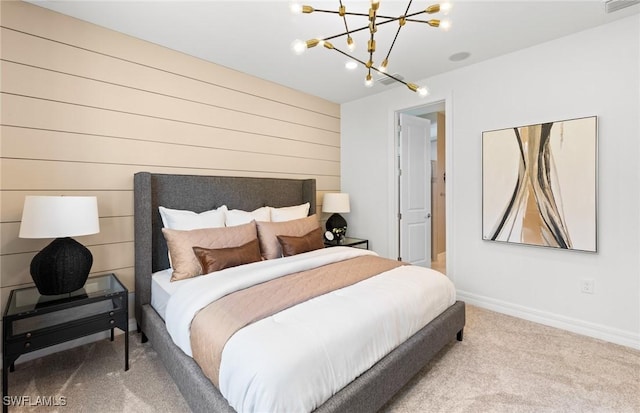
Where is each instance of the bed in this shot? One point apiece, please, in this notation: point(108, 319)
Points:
point(367, 393)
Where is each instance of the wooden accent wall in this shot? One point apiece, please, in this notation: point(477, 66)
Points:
point(83, 108)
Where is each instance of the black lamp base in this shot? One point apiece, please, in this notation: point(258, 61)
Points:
point(337, 224)
point(61, 267)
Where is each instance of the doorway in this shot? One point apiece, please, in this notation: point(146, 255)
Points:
point(433, 182)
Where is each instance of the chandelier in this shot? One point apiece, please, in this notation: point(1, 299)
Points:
point(374, 20)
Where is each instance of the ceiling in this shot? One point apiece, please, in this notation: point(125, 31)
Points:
point(255, 36)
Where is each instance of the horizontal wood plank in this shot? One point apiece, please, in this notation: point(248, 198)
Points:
point(40, 175)
point(21, 143)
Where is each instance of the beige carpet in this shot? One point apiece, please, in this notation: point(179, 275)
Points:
point(504, 365)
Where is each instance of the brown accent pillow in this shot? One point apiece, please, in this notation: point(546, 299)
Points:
point(268, 231)
point(180, 243)
point(297, 245)
point(216, 259)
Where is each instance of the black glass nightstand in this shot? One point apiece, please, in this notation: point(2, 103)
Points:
point(348, 242)
point(33, 321)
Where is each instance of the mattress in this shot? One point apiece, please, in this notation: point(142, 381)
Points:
point(162, 289)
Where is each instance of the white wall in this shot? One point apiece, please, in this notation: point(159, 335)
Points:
point(595, 72)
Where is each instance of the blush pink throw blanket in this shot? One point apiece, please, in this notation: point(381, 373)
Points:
point(217, 322)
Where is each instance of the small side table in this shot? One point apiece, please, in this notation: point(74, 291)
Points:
point(33, 321)
point(348, 242)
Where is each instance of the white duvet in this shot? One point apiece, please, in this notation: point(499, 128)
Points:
point(296, 359)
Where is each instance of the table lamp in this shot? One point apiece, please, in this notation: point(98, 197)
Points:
point(336, 203)
point(62, 266)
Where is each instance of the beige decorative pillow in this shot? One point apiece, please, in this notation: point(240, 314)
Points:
point(216, 259)
point(297, 245)
point(268, 231)
point(180, 243)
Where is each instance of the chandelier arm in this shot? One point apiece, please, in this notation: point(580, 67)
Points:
point(370, 68)
point(344, 19)
point(397, 33)
point(348, 13)
point(418, 21)
point(393, 43)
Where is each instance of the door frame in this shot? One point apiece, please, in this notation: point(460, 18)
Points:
point(392, 223)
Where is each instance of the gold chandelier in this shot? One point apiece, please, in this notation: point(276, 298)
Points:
point(375, 20)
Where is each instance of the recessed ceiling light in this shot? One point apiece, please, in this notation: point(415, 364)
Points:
point(351, 65)
point(456, 57)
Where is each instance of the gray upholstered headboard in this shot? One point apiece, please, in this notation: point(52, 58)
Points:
point(198, 193)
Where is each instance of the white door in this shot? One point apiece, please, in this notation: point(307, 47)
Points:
point(415, 190)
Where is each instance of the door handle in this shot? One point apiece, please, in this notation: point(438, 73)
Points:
point(428, 216)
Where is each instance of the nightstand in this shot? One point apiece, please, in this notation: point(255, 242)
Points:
point(33, 321)
point(348, 242)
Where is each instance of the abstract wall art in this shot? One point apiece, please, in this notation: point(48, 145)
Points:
point(539, 184)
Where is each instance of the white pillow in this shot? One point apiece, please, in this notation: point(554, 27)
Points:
point(289, 213)
point(188, 220)
point(234, 217)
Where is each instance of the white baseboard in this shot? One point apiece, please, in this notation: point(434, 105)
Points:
point(79, 341)
point(585, 328)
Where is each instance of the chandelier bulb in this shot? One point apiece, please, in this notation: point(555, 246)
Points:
point(296, 8)
point(350, 65)
point(421, 91)
point(350, 43)
point(298, 46)
point(445, 25)
point(383, 66)
point(368, 81)
point(445, 8)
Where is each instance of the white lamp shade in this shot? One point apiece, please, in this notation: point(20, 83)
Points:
point(336, 202)
point(59, 216)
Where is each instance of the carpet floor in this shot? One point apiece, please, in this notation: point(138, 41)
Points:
point(504, 364)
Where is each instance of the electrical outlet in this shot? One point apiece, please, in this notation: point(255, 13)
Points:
point(587, 285)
